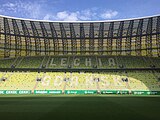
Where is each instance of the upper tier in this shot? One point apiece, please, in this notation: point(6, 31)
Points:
point(22, 37)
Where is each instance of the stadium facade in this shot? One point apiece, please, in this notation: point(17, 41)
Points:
point(82, 57)
point(136, 37)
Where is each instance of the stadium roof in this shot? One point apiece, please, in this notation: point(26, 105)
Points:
point(68, 37)
point(81, 21)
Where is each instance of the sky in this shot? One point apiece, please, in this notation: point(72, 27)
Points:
point(79, 10)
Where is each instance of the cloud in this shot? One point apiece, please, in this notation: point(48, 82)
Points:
point(62, 16)
point(87, 14)
point(83, 15)
point(67, 16)
point(109, 14)
point(9, 5)
point(38, 10)
point(47, 17)
point(23, 9)
point(33, 10)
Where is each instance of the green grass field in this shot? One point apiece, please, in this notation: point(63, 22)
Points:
point(79, 107)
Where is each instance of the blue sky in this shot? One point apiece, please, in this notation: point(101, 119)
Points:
point(79, 10)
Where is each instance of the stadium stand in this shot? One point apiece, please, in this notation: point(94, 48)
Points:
point(108, 55)
point(81, 62)
point(79, 81)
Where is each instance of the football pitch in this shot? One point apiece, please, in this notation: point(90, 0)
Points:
point(79, 107)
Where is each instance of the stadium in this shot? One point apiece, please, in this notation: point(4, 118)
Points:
point(86, 58)
point(80, 57)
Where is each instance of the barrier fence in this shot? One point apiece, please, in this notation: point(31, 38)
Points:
point(79, 92)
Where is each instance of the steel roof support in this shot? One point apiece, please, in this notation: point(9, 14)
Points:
point(139, 38)
point(64, 38)
point(28, 44)
point(7, 43)
point(129, 38)
point(18, 42)
point(55, 38)
point(158, 35)
point(46, 40)
point(100, 38)
point(110, 38)
point(149, 38)
point(82, 39)
point(36, 38)
point(91, 39)
point(119, 39)
point(73, 39)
